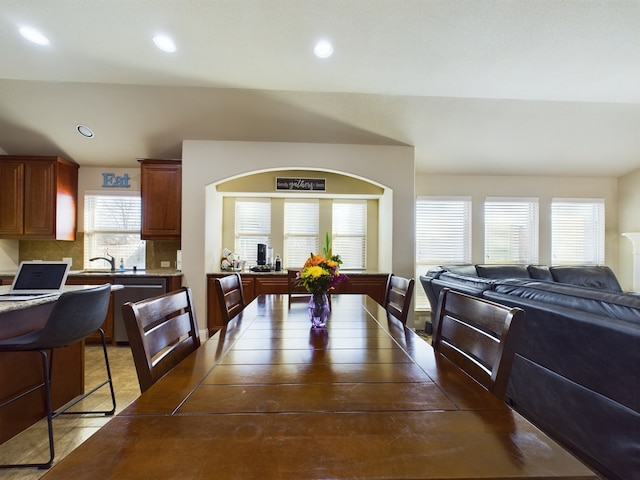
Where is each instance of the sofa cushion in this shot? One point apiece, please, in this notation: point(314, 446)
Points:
point(599, 277)
point(469, 270)
point(598, 302)
point(502, 271)
point(540, 272)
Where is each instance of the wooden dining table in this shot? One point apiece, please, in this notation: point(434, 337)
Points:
point(269, 397)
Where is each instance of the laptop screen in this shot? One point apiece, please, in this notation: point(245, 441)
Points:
point(40, 276)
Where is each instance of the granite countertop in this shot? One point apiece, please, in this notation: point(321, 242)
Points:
point(11, 305)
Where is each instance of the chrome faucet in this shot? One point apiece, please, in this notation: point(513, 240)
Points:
point(111, 260)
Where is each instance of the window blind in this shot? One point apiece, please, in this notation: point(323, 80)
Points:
point(301, 225)
point(252, 226)
point(112, 224)
point(511, 230)
point(349, 233)
point(443, 235)
point(577, 231)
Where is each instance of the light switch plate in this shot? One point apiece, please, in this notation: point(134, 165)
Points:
point(69, 260)
point(165, 264)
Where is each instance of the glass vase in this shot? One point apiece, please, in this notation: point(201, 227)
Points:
point(318, 310)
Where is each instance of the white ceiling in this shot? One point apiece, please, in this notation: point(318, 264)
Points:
point(536, 87)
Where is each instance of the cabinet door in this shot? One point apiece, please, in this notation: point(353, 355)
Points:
point(161, 192)
point(11, 198)
point(39, 199)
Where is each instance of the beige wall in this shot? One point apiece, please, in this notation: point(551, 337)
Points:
point(629, 221)
point(207, 163)
point(543, 188)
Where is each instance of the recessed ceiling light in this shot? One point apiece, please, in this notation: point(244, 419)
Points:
point(84, 131)
point(323, 49)
point(164, 43)
point(34, 36)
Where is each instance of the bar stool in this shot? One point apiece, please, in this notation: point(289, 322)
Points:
point(75, 316)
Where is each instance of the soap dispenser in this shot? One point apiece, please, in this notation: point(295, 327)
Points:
point(122, 264)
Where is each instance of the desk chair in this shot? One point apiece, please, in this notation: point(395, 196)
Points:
point(479, 336)
point(230, 296)
point(398, 297)
point(162, 332)
point(75, 316)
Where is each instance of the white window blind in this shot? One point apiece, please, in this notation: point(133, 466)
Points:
point(301, 225)
point(112, 225)
point(577, 231)
point(349, 233)
point(511, 230)
point(443, 236)
point(252, 226)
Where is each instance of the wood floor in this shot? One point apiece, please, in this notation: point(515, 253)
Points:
point(71, 430)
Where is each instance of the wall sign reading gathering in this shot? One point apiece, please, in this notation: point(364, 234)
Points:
point(304, 184)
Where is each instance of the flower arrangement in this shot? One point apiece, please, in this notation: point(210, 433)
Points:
point(320, 273)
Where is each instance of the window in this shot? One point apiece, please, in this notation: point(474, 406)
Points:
point(577, 231)
point(252, 226)
point(349, 229)
point(443, 236)
point(112, 225)
point(511, 230)
point(301, 226)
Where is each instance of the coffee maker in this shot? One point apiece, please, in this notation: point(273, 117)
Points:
point(262, 254)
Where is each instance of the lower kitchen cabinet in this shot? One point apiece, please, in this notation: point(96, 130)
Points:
point(254, 284)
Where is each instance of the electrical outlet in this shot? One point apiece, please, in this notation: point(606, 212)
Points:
point(165, 264)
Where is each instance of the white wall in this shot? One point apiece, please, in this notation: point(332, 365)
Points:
point(205, 163)
point(544, 188)
point(629, 208)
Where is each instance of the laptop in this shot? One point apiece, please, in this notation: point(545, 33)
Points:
point(37, 279)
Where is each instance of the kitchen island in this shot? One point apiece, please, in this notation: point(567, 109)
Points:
point(23, 370)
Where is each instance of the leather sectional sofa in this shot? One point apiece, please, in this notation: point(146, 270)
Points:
point(576, 374)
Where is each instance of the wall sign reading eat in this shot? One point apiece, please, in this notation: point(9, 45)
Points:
point(310, 184)
point(111, 180)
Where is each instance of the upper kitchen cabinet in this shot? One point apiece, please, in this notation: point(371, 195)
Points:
point(38, 198)
point(161, 192)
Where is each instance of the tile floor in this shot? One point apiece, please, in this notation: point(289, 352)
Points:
point(71, 430)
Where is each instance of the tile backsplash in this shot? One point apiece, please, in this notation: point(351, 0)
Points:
point(156, 251)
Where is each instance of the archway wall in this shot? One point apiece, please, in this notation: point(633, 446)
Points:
point(206, 163)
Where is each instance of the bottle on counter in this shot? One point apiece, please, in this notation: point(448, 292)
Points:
point(122, 264)
point(278, 263)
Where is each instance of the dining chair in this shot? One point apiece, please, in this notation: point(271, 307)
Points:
point(479, 336)
point(230, 296)
point(162, 331)
point(75, 315)
point(398, 296)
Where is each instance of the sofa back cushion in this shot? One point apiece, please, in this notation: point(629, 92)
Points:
point(502, 271)
point(469, 270)
point(598, 302)
point(540, 272)
point(599, 277)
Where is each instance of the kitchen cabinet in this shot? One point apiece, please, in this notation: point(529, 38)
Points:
point(161, 194)
point(254, 284)
point(38, 198)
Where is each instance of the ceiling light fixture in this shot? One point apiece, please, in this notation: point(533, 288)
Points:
point(85, 131)
point(34, 36)
point(164, 43)
point(323, 49)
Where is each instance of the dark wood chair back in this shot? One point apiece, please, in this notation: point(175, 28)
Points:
point(479, 336)
point(162, 331)
point(230, 296)
point(398, 297)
